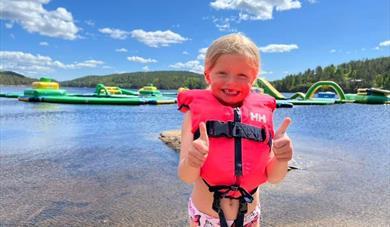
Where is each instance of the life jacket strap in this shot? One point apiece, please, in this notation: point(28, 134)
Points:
point(220, 191)
point(234, 130)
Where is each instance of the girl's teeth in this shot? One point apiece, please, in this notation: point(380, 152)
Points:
point(230, 92)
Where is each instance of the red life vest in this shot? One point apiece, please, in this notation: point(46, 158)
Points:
point(239, 138)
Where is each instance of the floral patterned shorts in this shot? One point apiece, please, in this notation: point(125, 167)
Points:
point(205, 220)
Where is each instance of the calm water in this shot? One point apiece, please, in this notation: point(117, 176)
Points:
point(104, 165)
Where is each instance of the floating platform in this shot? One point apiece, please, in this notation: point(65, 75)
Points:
point(368, 99)
point(11, 95)
point(106, 100)
point(312, 101)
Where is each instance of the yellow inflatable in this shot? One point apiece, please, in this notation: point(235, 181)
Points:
point(182, 89)
point(114, 90)
point(45, 85)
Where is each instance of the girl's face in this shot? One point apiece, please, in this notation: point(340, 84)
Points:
point(231, 78)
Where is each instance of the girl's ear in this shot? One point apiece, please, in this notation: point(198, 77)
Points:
point(207, 77)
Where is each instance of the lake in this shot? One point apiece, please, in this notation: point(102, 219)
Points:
point(104, 165)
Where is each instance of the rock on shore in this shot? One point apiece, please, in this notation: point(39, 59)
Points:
point(171, 139)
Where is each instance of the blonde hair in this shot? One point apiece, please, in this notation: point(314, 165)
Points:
point(235, 43)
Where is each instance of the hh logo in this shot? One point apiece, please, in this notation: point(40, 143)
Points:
point(258, 117)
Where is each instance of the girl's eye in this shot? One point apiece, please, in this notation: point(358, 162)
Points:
point(221, 75)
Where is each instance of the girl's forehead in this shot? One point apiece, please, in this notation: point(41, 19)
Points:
point(232, 61)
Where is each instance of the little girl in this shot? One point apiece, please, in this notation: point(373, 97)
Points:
point(228, 146)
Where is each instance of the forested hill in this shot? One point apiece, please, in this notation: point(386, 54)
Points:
point(350, 76)
point(161, 79)
point(12, 78)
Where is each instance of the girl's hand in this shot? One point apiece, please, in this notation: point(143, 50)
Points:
point(281, 144)
point(200, 148)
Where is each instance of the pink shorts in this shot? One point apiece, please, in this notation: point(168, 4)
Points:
point(205, 220)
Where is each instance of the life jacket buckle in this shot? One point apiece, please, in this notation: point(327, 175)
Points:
point(236, 130)
point(234, 188)
point(248, 199)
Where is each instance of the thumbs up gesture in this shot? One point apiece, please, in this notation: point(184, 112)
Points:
point(200, 148)
point(281, 144)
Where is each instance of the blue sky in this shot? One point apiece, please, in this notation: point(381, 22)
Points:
point(67, 39)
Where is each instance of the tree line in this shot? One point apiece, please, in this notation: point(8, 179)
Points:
point(135, 80)
point(350, 76)
point(12, 78)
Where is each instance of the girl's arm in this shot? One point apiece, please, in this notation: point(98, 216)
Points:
point(187, 172)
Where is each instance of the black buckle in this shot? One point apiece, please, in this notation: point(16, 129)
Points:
point(234, 187)
point(218, 128)
point(248, 199)
point(235, 129)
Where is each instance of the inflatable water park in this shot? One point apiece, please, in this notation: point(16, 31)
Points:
point(337, 96)
point(46, 90)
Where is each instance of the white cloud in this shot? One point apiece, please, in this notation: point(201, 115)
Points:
point(256, 9)
point(312, 1)
point(26, 62)
point(34, 18)
point(44, 44)
point(385, 43)
point(202, 54)
point(115, 33)
point(278, 48)
point(224, 24)
point(84, 64)
point(121, 50)
point(145, 68)
point(90, 23)
point(157, 38)
point(332, 51)
point(193, 66)
point(9, 25)
point(185, 53)
point(141, 60)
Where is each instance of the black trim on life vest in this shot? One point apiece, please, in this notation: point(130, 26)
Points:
point(237, 144)
point(270, 140)
point(183, 106)
point(220, 191)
